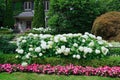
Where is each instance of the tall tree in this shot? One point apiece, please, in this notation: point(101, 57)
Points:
point(8, 18)
point(2, 8)
point(39, 14)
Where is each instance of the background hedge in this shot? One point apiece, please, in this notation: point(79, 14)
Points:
point(74, 15)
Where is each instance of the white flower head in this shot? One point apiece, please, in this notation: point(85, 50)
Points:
point(74, 56)
point(97, 51)
point(86, 50)
point(27, 56)
point(100, 42)
point(104, 50)
point(20, 51)
point(90, 50)
point(63, 39)
point(59, 51)
point(44, 46)
point(83, 40)
point(99, 38)
point(24, 64)
point(63, 47)
point(37, 49)
point(40, 54)
point(67, 50)
point(78, 56)
point(17, 56)
point(30, 49)
point(91, 43)
point(24, 41)
point(75, 45)
point(81, 48)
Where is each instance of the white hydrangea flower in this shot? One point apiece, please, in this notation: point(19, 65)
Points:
point(63, 48)
point(24, 64)
point(86, 50)
point(56, 38)
point(27, 56)
point(63, 39)
point(91, 43)
point(81, 48)
point(35, 35)
point(97, 51)
point(85, 36)
point(30, 34)
point(30, 49)
point(92, 36)
point(90, 50)
point(74, 56)
point(67, 50)
point(44, 46)
point(40, 54)
point(24, 41)
point(20, 51)
point(75, 45)
point(104, 50)
point(78, 56)
point(99, 38)
point(100, 42)
point(50, 42)
point(86, 33)
point(65, 53)
point(17, 56)
point(83, 40)
point(59, 51)
point(37, 49)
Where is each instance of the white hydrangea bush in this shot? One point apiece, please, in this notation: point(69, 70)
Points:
point(76, 46)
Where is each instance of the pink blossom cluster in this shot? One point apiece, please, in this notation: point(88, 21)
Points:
point(63, 70)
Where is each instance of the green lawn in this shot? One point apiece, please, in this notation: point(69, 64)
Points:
point(34, 76)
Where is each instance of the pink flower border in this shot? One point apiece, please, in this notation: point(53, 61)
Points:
point(62, 70)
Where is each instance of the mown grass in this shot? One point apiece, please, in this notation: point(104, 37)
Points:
point(34, 76)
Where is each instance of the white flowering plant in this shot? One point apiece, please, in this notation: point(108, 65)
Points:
point(41, 30)
point(77, 46)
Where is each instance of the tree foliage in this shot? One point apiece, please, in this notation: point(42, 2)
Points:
point(2, 8)
point(39, 14)
point(8, 18)
point(73, 15)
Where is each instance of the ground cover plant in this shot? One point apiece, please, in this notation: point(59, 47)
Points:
point(62, 70)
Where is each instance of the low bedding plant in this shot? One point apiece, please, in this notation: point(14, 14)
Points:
point(63, 70)
point(70, 45)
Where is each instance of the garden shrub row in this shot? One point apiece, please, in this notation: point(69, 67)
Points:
point(109, 61)
point(114, 51)
point(78, 46)
point(5, 45)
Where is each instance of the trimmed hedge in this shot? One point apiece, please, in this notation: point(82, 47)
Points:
point(110, 61)
point(115, 51)
point(5, 45)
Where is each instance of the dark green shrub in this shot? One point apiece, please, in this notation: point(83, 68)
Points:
point(110, 61)
point(8, 17)
point(17, 7)
point(5, 45)
point(114, 5)
point(115, 51)
point(5, 31)
point(107, 26)
point(39, 14)
point(73, 15)
point(2, 10)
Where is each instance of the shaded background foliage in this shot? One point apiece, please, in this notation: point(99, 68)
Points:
point(74, 15)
